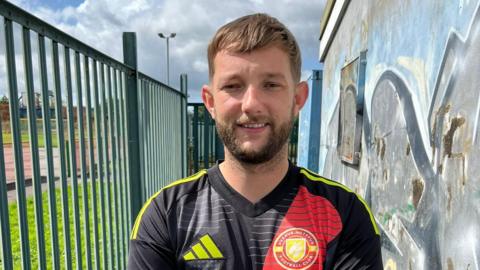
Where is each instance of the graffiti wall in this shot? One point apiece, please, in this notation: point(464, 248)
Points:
point(419, 146)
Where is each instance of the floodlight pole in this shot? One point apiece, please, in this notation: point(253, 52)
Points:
point(172, 35)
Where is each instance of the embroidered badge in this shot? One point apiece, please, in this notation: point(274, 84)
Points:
point(295, 249)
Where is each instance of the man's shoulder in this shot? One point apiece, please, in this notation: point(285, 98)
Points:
point(186, 184)
point(172, 192)
point(159, 203)
point(322, 186)
point(344, 200)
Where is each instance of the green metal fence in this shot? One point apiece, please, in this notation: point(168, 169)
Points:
point(204, 145)
point(163, 154)
point(116, 136)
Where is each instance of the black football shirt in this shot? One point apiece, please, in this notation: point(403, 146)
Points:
point(306, 222)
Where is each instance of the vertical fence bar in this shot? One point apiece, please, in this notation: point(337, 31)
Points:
point(73, 159)
point(6, 249)
point(134, 178)
point(184, 117)
point(206, 138)
point(155, 111)
point(106, 162)
point(163, 118)
point(17, 144)
point(201, 139)
point(61, 144)
point(145, 136)
point(47, 132)
point(116, 167)
point(124, 195)
point(195, 127)
point(120, 219)
point(172, 118)
point(162, 98)
point(154, 124)
point(100, 172)
point(178, 162)
point(150, 115)
point(178, 118)
point(113, 138)
point(167, 135)
point(83, 161)
point(32, 126)
point(141, 132)
point(147, 94)
point(212, 139)
point(126, 171)
point(93, 174)
point(153, 117)
point(161, 130)
point(162, 123)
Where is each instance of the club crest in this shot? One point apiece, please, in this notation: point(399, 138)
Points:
point(296, 249)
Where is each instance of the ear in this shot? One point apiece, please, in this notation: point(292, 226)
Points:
point(301, 95)
point(208, 100)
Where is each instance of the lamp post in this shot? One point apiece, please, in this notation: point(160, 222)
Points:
point(167, 37)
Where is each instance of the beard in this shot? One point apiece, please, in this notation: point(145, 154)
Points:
point(275, 142)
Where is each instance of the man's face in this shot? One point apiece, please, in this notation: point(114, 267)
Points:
point(254, 101)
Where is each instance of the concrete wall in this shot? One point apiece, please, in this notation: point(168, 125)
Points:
point(419, 164)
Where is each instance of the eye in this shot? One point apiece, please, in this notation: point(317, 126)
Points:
point(231, 87)
point(271, 85)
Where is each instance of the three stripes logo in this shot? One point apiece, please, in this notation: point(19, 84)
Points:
point(205, 249)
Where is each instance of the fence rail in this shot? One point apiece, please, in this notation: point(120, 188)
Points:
point(122, 139)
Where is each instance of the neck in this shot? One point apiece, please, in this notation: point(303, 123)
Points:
point(255, 181)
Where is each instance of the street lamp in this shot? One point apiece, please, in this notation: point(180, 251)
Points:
point(172, 35)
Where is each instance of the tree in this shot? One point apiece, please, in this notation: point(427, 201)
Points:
point(4, 100)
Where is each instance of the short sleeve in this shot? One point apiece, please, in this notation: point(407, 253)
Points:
point(150, 244)
point(359, 244)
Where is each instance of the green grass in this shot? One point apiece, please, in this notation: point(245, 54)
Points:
point(7, 135)
point(7, 138)
point(15, 231)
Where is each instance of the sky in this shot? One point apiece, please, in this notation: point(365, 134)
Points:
point(100, 24)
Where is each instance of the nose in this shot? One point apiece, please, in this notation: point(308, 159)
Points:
point(252, 101)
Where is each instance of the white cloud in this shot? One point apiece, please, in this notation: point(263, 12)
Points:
point(100, 24)
point(200, 65)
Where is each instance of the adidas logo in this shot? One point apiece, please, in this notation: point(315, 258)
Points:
point(205, 249)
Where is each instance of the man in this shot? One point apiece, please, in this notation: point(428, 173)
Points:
point(255, 210)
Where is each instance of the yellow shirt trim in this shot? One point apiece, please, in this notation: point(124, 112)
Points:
point(145, 206)
point(312, 176)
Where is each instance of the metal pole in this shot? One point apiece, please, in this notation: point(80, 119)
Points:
point(172, 35)
point(168, 63)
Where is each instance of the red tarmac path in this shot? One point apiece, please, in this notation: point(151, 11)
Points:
point(28, 166)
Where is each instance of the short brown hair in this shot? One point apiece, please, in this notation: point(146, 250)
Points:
point(252, 32)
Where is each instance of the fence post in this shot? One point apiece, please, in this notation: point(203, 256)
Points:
point(310, 124)
point(195, 140)
point(184, 117)
point(134, 178)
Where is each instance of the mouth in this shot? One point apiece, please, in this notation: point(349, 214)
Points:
point(253, 125)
